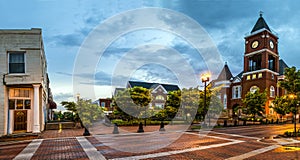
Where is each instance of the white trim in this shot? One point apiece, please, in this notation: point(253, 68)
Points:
point(225, 82)
point(258, 31)
point(164, 90)
point(262, 50)
point(237, 80)
point(261, 70)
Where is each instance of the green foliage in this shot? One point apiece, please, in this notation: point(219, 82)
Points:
point(71, 106)
point(88, 112)
point(282, 105)
point(291, 82)
point(174, 99)
point(132, 102)
point(254, 103)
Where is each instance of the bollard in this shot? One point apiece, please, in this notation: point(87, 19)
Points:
point(272, 121)
point(244, 122)
point(277, 121)
point(86, 132)
point(235, 122)
point(266, 121)
point(225, 123)
point(116, 129)
point(162, 126)
point(141, 129)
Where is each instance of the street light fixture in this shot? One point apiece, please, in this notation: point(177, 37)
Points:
point(205, 78)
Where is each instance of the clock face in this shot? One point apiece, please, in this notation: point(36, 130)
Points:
point(254, 44)
point(271, 44)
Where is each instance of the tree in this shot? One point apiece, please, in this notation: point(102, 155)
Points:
point(254, 103)
point(132, 102)
point(281, 105)
point(71, 106)
point(141, 97)
point(291, 83)
point(88, 112)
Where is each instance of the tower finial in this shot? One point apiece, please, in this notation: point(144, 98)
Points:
point(225, 63)
point(260, 13)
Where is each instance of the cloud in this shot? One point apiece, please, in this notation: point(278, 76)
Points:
point(74, 39)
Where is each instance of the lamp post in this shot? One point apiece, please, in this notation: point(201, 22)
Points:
point(205, 78)
point(293, 96)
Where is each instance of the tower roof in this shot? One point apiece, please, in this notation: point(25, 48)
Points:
point(225, 73)
point(260, 24)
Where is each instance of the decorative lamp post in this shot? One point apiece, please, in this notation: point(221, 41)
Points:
point(205, 78)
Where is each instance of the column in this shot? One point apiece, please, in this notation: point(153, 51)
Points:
point(36, 108)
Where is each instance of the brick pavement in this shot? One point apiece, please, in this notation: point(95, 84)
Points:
point(61, 133)
point(64, 144)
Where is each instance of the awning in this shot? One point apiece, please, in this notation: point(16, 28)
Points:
point(52, 105)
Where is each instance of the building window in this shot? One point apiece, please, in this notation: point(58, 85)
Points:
point(271, 111)
point(253, 76)
point(236, 92)
point(254, 63)
point(159, 97)
point(248, 77)
point(225, 101)
point(271, 62)
point(272, 91)
point(19, 98)
point(16, 62)
point(259, 75)
point(102, 104)
point(253, 89)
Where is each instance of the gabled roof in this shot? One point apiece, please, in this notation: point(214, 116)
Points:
point(225, 74)
point(168, 87)
point(282, 66)
point(260, 24)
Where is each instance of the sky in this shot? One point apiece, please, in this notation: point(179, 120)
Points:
point(161, 54)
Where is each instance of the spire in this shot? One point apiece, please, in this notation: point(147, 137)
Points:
point(225, 73)
point(260, 24)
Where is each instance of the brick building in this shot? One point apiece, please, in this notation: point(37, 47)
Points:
point(262, 69)
point(159, 92)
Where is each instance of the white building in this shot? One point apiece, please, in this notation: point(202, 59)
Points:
point(24, 81)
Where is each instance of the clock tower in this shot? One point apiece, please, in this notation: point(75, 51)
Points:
point(261, 61)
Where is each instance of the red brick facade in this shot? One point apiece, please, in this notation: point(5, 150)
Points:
point(262, 69)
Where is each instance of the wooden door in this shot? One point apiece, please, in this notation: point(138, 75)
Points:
point(20, 120)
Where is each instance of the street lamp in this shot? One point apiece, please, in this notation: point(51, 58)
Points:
point(293, 96)
point(205, 78)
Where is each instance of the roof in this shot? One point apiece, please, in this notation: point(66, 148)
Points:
point(225, 74)
point(260, 24)
point(282, 66)
point(168, 87)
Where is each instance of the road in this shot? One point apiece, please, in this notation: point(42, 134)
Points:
point(243, 142)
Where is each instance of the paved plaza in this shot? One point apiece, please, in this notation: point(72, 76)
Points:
point(243, 142)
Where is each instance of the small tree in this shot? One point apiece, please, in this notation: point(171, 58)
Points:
point(254, 103)
point(281, 105)
point(291, 84)
point(71, 106)
point(88, 113)
point(141, 97)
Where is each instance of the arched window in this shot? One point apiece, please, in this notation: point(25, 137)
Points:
point(253, 89)
point(272, 91)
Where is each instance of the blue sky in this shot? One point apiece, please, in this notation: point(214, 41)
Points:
point(67, 23)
